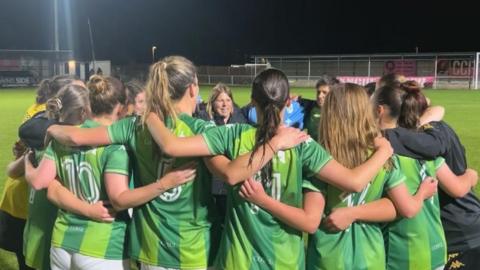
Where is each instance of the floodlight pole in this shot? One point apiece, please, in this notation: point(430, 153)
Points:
point(91, 43)
point(435, 72)
point(369, 67)
point(55, 22)
point(477, 58)
point(153, 53)
point(56, 42)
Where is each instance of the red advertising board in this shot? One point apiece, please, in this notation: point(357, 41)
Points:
point(404, 67)
point(460, 68)
point(363, 80)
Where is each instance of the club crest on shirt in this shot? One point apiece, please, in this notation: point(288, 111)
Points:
point(171, 195)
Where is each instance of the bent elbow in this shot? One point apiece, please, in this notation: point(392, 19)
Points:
point(409, 213)
point(311, 229)
point(169, 149)
point(358, 189)
point(118, 205)
point(230, 180)
point(51, 195)
point(312, 225)
point(38, 185)
point(355, 188)
point(459, 193)
point(75, 140)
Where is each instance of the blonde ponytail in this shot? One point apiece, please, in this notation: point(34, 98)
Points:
point(168, 80)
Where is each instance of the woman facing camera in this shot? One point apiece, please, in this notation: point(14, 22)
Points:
point(221, 107)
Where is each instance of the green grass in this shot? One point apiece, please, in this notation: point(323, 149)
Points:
point(462, 113)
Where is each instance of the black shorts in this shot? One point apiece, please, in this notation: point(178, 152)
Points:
point(11, 232)
point(464, 260)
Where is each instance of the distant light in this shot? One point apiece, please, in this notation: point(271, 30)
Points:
point(71, 66)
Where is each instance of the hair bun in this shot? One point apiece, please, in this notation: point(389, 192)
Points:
point(47, 83)
point(411, 87)
point(97, 84)
point(54, 106)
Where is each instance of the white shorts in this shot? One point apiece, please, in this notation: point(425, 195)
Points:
point(154, 267)
point(61, 259)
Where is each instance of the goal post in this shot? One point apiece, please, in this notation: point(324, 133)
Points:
point(476, 74)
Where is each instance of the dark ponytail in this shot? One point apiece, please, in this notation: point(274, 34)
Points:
point(270, 90)
point(413, 105)
point(405, 101)
point(43, 91)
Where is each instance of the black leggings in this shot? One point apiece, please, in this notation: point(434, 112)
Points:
point(11, 237)
point(466, 260)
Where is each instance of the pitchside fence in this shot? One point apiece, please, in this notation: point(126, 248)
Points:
point(435, 70)
point(18, 67)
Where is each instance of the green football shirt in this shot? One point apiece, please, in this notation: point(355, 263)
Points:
point(253, 238)
point(361, 245)
point(81, 170)
point(37, 235)
point(418, 242)
point(178, 228)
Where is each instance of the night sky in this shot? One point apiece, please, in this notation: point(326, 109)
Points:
point(219, 32)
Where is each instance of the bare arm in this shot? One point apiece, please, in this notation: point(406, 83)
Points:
point(218, 166)
point(76, 136)
point(453, 185)
point(168, 142)
point(432, 113)
point(306, 219)
point(407, 205)
point(16, 168)
point(122, 197)
point(335, 173)
point(40, 177)
point(63, 198)
point(196, 146)
point(381, 210)
point(239, 169)
point(384, 209)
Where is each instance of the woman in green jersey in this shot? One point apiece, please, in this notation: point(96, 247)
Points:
point(419, 242)
point(93, 174)
point(348, 132)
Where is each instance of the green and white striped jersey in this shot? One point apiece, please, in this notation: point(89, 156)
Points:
point(81, 170)
point(418, 242)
